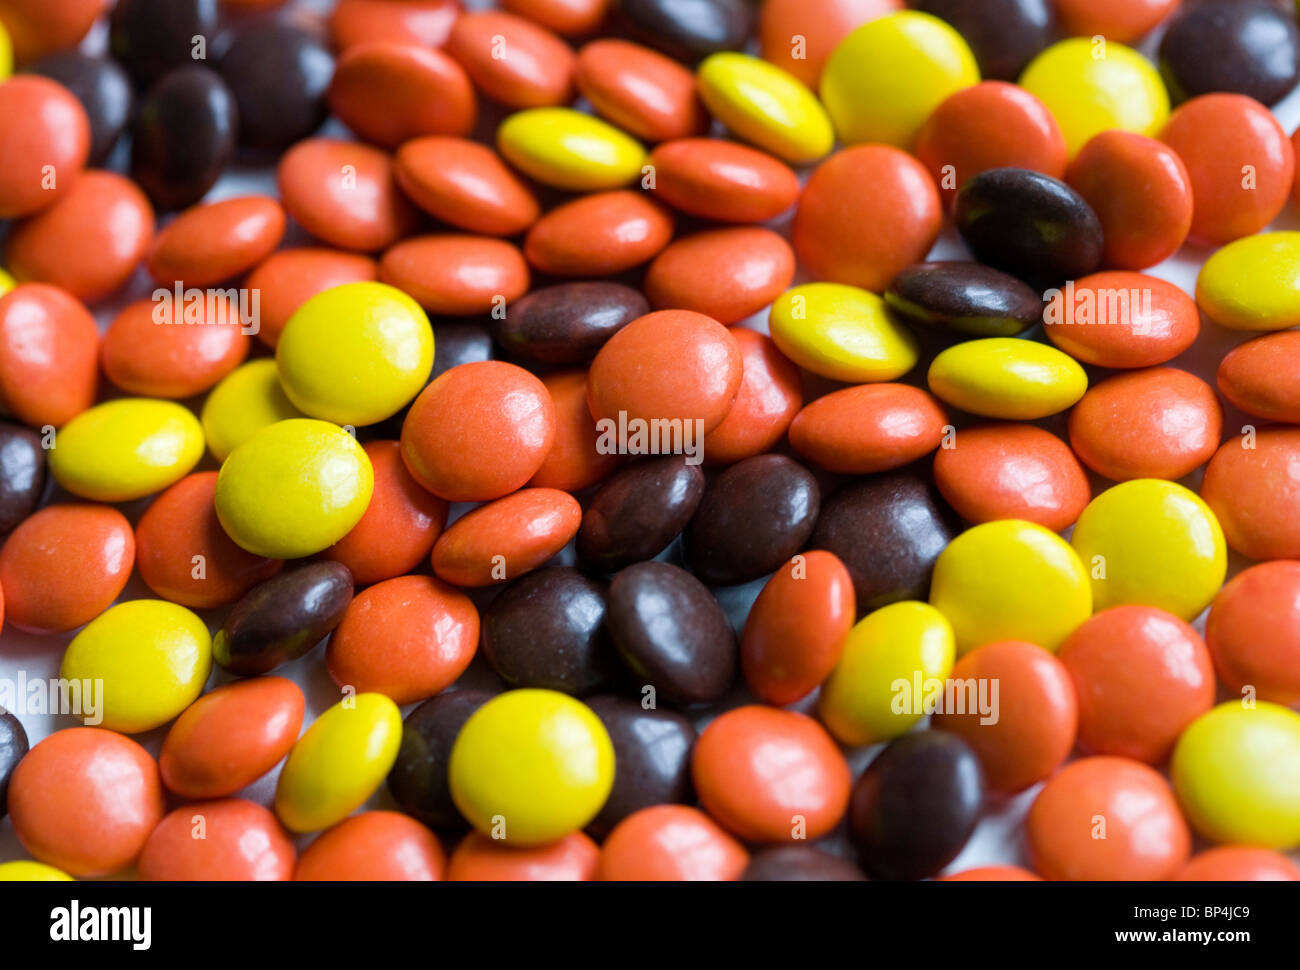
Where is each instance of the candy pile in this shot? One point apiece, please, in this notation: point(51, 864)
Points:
point(608, 585)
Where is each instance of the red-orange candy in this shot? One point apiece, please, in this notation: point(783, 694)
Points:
point(865, 214)
point(232, 840)
point(408, 638)
point(820, 24)
point(1145, 836)
point(399, 526)
point(426, 22)
point(1253, 631)
point(1012, 471)
point(670, 843)
point(465, 184)
point(992, 874)
point(721, 180)
point(669, 365)
point(456, 275)
point(480, 859)
point(513, 60)
point(770, 395)
point(574, 461)
point(185, 556)
point(231, 736)
point(1238, 863)
point(727, 274)
point(49, 360)
point(344, 193)
point(291, 277)
point(47, 139)
point(506, 538)
point(1239, 160)
point(38, 28)
point(173, 350)
point(568, 17)
point(1121, 319)
point(211, 243)
point(795, 632)
point(373, 847)
point(1119, 20)
point(869, 428)
point(599, 234)
point(479, 431)
point(390, 93)
point(64, 566)
point(1262, 377)
point(1253, 486)
point(641, 91)
point(989, 125)
point(1141, 193)
point(89, 242)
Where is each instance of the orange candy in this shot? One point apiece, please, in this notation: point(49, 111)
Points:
point(456, 275)
point(426, 22)
point(291, 277)
point(47, 139)
point(49, 361)
point(209, 244)
point(992, 874)
point(722, 180)
point(568, 17)
point(1238, 863)
point(869, 428)
point(1119, 20)
point(670, 843)
point(373, 847)
point(1262, 377)
point(64, 565)
point(480, 859)
point(173, 349)
point(574, 462)
point(231, 736)
point(1253, 485)
point(504, 539)
point(641, 91)
point(821, 23)
point(240, 842)
point(1121, 319)
point(1253, 631)
point(38, 28)
point(727, 274)
point(466, 185)
point(599, 234)
point(771, 393)
point(513, 60)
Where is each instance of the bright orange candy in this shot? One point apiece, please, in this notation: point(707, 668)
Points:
point(1142, 675)
point(478, 432)
point(291, 277)
point(241, 842)
point(1141, 193)
point(211, 243)
point(722, 180)
point(373, 847)
point(428, 630)
point(38, 28)
point(89, 242)
point(178, 528)
point(84, 800)
point(399, 526)
point(426, 22)
point(506, 538)
point(49, 360)
point(574, 461)
point(344, 193)
point(599, 234)
point(865, 214)
point(466, 185)
point(1238, 863)
point(1146, 836)
point(1253, 485)
point(727, 274)
point(821, 23)
point(1121, 319)
point(1253, 631)
point(670, 843)
point(1037, 714)
point(1118, 20)
point(568, 17)
point(44, 126)
point(992, 124)
point(640, 90)
point(1012, 471)
point(992, 874)
point(673, 364)
point(64, 565)
point(480, 859)
point(512, 60)
point(389, 93)
point(869, 428)
point(795, 632)
point(173, 350)
point(1262, 377)
point(456, 275)
point(1239, 160)
point(771, 393)
point(231, 736)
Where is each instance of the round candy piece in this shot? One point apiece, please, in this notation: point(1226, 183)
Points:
point(149, 37)
point(47, 132)
point(1003, 377)
point(418, 780)
point(38, 29)
point(771, 391)
point(822, 24)
point(1004, 35)
point(373, 847)
point(22, 474)
point(1250, 48)
point(247, 400)
point(842, 332)
point(869, 428)
point(465, 184)
point(175, 349)
point(576, 459)
point(426, 22)
point(761, 103)
point(1238, 863)
point(216, 241)
point(480, 859)
point(48, 355)
point(1262, 377)
point(567, 149)
point(639, 511)
point(1253, 631)
point(569, 322)
point(512, 59)
point(1123, 20)
point(506, 537)
point(1119, 319)
point(722, 180)
point(241, 842)
point(670, 843)
point(1249, 284)
point(727, 274)
point(456, 275)
point(599, 234)
point(691, 32)
point(642, 91)
point(13, 747)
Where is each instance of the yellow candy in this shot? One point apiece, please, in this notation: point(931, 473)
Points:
point(126, 449)
point(150, 657)
point(1010, 580)
point(294, 488)
point(1236, 772)
point(1253, 283)
point(355, 354)
point(6, 58)
point(841, 332)
point(1092, 85)
point(7, 282)
point(886, 78)
point(871, 695)
point(334, 767)
point(1005, 377)
point(247, 400)
point(531, 766)
point(1151, 542)
point(24, 871)
point(570, 150)
point(763, 104)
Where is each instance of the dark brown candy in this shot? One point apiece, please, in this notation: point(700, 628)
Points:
point(22, 474)
point(150, 37)
point(569, 322)
point(964, 300)
point(800, 863)
point(690, 29)
point(639, 512)
point(1004, 35)
point(1239, 46)
point(13, 745)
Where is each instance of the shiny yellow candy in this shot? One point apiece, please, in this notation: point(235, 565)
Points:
point(567, 149)
point(1092, 85)
point(1010, 580)
point(531, 766)
point(886, 78)
point(766, 105)
point(339, 762)
point(6, 56)
point(890, 655)
point(1005, 377)
point(355, 354)
point(1154, 543)
point(24, 871)
point(150, 657)
point(247, 400)
point(1253, 283)
point(1236, 772)
point(126, 449)
point(294, 488)
point(841, 332)
point(7, 282)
